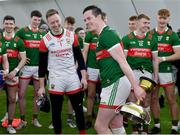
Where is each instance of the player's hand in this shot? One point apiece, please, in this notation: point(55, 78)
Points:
point(139, 93)
point(11, 75)
point(27, 60)
point(83, 84)
point(5, 73)
point(161, 59)
point(41, 91)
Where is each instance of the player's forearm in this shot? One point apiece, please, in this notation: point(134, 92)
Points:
point(41, 82)
point(118, 54)
point(43, 56)
point(128, 72)
point(5, 63)
point(173, 57)
point(84, 74)
point(22, 60)
point(78, 56)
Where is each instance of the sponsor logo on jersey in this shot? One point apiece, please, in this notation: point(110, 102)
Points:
point(167, 38)
point(28, 35)
point(34, 35)
point(132, 42)
point(7, 44)
point(52, 44)
point(68, 41)
point(160, 38)
point(141, 42)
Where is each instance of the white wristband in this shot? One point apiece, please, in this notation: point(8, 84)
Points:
point(16, 69)
point(163, 58)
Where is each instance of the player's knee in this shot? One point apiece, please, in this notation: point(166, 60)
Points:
point(21, 95)
point(12, 100)
point(99, 127)
point(172, 101)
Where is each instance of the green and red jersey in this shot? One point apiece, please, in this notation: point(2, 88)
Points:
point(110, 70)
point(139, 50)
point(32, 41)
point(2, 52)
point(13, 47)
point(91, 58)
point(167, 41)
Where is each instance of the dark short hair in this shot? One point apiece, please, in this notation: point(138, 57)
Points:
point(9, 17)
point(104, 15)
point(95, 10)
point(51, 12)
point(36, 13)
point(70, 20)
point(133, 18)
point(78, 29)
point(143, 16)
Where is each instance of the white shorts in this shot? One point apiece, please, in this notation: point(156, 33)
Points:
point(116, 94)
point(93, 75)
point(65, 84)
point(28, 72)
point(166, 79)
point(139, 73)
point(13, 82)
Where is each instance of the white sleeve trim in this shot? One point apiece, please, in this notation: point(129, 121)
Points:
point(155, 51)
point(5, 54)
point(115, 46)
point(176, 46)
point(23, 52)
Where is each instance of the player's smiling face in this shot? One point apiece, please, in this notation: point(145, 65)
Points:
point(54, 23)
point(35, 22)
point(9, 26)
point(91, 21)
point(132, 25)
point(163, 21)
point(144, 25)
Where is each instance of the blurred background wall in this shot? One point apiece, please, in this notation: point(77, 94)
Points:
point(118, 11)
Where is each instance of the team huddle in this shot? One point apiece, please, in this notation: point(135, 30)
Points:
point(76, 61)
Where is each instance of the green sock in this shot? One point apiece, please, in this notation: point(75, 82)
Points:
point(10, 122)
point(22, 117)
point(35, 115)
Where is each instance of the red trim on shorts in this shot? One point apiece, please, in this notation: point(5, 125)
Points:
point(28, 78)
point(167, 84)
point(74, 91)
point(25, 78)
point(82, 131)
point(8, 85)
point(108, 106)
point(91, 81)
point(55, 92)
